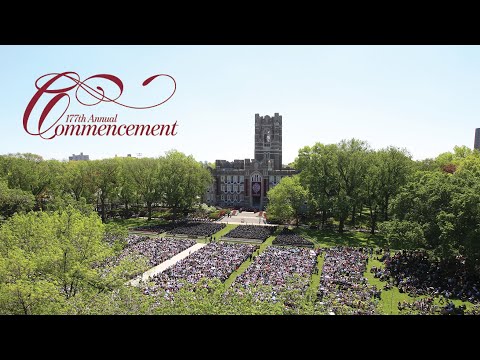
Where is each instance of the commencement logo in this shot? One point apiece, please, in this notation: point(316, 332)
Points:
point(49, 126)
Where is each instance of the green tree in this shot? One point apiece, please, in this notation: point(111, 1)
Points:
point(319, 175)
point(78, 180)
point(394, 168)
point(447, 206)
point(371, 193)
point(14, 200)
point(45, 259)
point(106, 182)
point(30, 172)
point(351, 165)
point(145, 175)
point(287, 200)
point(127, 191)
point(403, 234)
point(182, 181)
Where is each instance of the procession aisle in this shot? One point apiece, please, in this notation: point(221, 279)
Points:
point(166, 264)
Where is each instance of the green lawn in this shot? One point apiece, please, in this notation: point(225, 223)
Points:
point(224, 231)
point(388, 304)
point(145, 233)
point(315, 279)
point(328, 238)
point(218, 234)
point(134, 222)
point(389, 298)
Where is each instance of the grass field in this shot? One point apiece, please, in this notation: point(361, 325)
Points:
point(315, 279)
point(134, 222)
point(388, 304)
point(328, 238)
point(225, 231)
point(390, 298)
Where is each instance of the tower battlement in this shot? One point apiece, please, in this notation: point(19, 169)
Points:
point(267, 119)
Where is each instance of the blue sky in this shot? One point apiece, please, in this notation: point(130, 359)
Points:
point(423, 98)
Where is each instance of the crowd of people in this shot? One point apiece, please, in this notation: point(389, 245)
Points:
point(424, 306)
point(289, 237)
point(148, 251)
point(198, 218)
point(133, 239)
point(252, 232)
point(156, 250)
point(197, 228)
point(277, 267)
point(414, 273)
point(427, 306)
point(154, 228)
point(343, 287)
point(216, 260)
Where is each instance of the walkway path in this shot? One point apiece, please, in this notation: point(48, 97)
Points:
point(166, 264)
point(245, 218)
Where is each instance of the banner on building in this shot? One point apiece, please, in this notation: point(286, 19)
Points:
point(256, 188)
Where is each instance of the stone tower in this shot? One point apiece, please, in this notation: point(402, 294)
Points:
point(268, 139)
point(476, 144)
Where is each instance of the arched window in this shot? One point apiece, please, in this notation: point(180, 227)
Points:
point(256, 178)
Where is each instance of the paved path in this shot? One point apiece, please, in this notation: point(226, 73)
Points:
point(166, 264)
point(245, 218)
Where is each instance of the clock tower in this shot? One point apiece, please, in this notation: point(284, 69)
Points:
point(268, 140)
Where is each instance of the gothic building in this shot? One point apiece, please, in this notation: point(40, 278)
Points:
point(244, 183)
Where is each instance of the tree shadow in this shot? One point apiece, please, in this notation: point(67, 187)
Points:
point(328, 238)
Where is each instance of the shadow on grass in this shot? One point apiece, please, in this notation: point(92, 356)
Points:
point(134, 222)
point(327, 238)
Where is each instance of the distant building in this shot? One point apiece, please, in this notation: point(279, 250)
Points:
point(78, 157)
point(476, 144)
point(244, 183)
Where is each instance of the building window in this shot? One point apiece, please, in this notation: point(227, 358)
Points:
point(272, 179)
point(229, 197)
point(256, 178)
point(241, 178)
point(235, 188)
point(241, 197)
point(222, 197)
point(242, 189)
point(235, 197)
point(278, 178)
point(223, 187)
point(222, 178)
point(229, 187)
point(235, 178)
point(229, 178)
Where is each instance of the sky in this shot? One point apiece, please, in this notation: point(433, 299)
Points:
point(422, 98)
